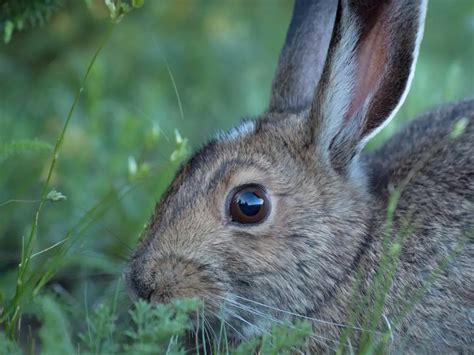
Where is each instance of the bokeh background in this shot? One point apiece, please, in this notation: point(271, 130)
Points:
point(172, 74)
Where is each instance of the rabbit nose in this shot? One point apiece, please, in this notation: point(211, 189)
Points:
point(157, 291)
point(170, 283)
point(136, 286)
point(171, 277)
point(155, 287)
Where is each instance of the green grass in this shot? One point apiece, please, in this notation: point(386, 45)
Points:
point(71, 212)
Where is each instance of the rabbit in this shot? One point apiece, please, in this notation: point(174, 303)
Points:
point(284, 217)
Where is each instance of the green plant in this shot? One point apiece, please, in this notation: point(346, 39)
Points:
point(17, 15)
point(29, 282)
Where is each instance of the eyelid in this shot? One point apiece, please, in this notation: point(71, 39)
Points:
point(231, 170)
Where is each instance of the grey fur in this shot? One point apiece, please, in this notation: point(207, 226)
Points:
point(303, 55)
point(328, 218)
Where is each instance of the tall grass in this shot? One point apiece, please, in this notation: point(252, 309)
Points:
point(12, 312)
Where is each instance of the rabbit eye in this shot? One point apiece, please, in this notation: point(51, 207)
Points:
point(249, 205)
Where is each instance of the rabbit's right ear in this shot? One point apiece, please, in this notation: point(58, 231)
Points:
point(368, 70)
point(303, 55)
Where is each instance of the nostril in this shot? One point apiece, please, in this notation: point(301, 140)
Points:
point(139, 283)
point(140, 288)
point(151, 286)
point(143, 291)
point(148, 297)
point(152, 291)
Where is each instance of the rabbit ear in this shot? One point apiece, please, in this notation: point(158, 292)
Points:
point(303, 55)
point(368, 71)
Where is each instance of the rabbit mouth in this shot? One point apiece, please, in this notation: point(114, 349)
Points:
point(241, 320)
point(222, 325)
point(163, 279)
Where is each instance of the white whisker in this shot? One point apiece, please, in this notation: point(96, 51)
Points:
point(262, 330)
point(306, 317)
point(252, 326)
point(315, 337)
point(209, 327)
point(350, 346)
point(227, 324)
point(204, 333)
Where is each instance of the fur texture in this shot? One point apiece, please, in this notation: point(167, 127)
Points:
point(328, 215)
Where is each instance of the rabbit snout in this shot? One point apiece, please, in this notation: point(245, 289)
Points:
point(166, 278)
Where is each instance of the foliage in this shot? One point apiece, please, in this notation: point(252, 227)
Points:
point(151, 330)
point(17, 15)
point(101, 329)
point(142, 107)
point(55, 332)
point(13, 148)
point(8, 346)
point(159, 330)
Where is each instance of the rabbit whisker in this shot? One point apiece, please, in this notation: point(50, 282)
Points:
point(226, 323)
point(205, 333)
point(268, 333)
point(315, 337)
point(307, 317)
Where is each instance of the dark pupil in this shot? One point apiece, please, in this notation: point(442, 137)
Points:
point(249, 203)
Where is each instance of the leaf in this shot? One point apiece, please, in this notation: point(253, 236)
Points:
point(21, 146)
point(137, 3)
point(132, 166)
point(157, 328)
point(177, 137)
point(55, 196)
point(54, 333)
point(18, 15)
point(153, 135)
point(119, 8)
point(102, 326)
point(181, 149)
point(8, 31)
point(459, 127)
point(7, 346)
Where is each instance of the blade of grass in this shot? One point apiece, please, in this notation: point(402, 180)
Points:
point(7, 316)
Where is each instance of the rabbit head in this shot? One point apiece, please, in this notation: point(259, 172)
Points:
point(275, 213)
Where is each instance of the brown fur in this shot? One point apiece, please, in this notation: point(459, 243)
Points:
point(439, 200)
point(326, 225)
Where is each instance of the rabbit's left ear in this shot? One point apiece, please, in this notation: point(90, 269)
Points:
point(367, 74)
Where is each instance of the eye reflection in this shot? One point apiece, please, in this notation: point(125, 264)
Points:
point(249, 205)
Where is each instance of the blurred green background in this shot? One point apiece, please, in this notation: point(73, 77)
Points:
point(187, 66)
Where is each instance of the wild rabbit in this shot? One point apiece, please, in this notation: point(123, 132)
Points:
point(284, 218)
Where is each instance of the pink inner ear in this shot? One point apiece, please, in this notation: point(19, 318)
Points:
point(370, 62)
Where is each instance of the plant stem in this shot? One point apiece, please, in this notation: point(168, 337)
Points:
point(11, 313)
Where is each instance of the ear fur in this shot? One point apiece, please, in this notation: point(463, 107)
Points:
point(303, 55)
point(369, 68)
